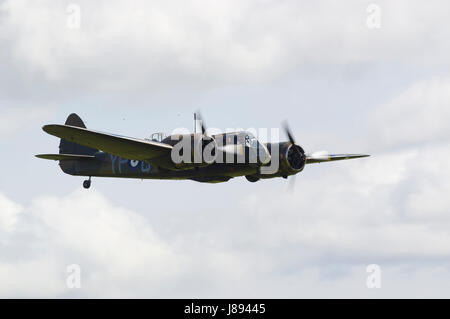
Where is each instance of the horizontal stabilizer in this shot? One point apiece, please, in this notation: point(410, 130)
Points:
point(64, 157)
point(322, 157)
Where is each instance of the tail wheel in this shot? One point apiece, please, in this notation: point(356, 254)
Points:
point(87, 183)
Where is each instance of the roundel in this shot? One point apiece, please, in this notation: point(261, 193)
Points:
point(134, 163)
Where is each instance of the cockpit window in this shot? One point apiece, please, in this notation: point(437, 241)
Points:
point(240, 138)
point(158, 137)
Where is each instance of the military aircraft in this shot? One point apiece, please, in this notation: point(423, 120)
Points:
point(84, 152)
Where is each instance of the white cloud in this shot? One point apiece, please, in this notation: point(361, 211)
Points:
point(9, 214)
point(119, 253)
point(148, 44)
point(390, 209)
point(386, 207)
point(42, 276)
point(14, 119)
point(420, 114)
point(83, 228)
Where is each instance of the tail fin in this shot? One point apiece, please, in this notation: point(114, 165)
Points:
point(66, 147)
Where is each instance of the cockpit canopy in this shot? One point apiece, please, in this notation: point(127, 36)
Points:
point(158, 137)
point(238, 138)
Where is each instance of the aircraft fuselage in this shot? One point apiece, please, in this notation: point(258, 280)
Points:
point(108, 165)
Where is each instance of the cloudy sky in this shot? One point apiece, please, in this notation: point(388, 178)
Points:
point(360, 76)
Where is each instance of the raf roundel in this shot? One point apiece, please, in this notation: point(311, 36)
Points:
point(134, 163)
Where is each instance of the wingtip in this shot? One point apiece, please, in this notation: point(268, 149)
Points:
point(360, 155)
point(45, 128)
point(49, 128)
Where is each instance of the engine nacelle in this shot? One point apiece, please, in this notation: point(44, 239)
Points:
point(292, 159)
point(190, 151)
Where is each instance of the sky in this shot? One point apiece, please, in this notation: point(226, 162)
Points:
point(350, 77)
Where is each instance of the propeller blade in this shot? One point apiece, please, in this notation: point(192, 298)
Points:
point(291, 185)
point(288, 132)
point(291, 137)
point(202, 123)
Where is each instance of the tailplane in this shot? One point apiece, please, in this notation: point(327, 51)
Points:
point(64, 157)
point(70, 153)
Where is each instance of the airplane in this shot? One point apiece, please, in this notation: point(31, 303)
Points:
point(89, 153)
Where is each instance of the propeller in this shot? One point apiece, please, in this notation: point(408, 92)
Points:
point(290, 135)
point(291, 138)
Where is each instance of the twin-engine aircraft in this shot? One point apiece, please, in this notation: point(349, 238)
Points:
point(196, 156)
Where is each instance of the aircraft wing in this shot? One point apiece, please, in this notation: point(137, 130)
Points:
point(319, 158)
point(126, 147)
